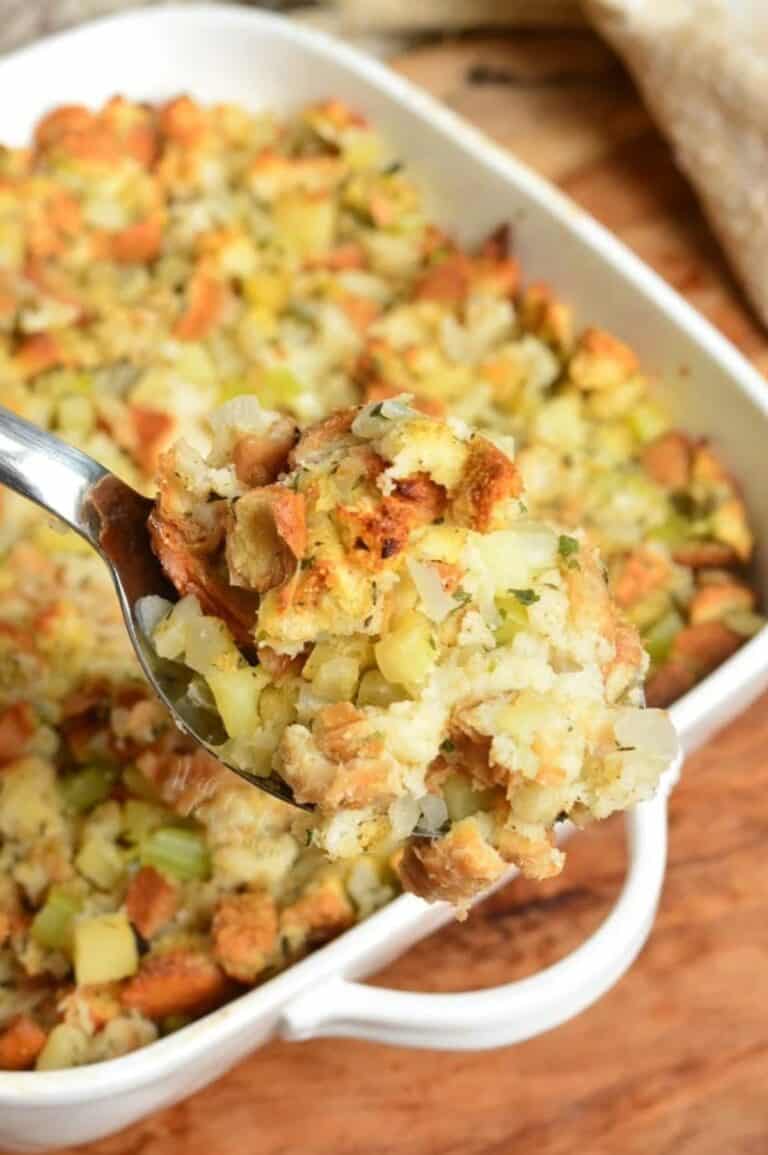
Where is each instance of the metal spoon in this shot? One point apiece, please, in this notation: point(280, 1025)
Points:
point(112, 517)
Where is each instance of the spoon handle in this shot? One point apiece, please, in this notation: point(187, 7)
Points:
point(44, 469)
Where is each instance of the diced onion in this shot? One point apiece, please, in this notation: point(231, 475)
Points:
point(151, 611)
point(371, 421)
point(647, 730)
point(436, 602)
point(404, 813)
point(434, 811)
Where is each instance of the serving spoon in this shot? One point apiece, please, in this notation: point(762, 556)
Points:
point(112, 517)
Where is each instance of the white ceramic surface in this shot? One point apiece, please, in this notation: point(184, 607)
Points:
point(220, 53)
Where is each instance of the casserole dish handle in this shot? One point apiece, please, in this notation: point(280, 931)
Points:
point(518, 1010)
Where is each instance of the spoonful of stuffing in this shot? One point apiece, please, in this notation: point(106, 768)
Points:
point(362, 618)
point(114, 519)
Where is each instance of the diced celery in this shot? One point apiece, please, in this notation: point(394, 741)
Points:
point(195, 364)
point(630, 498)
point(105, 949)
point(233, 387)
point(375, 690)
point(84, 788)
point(66, 1046)
point(140, 818)
point(236, 693)
point(337, 679)
point(101, 862)
point(60, 382)
point(76, 416)
point(276, 707)
point(138, 784)
point(278, 387)
point(659, 638)
point(462, 799)
point(177, 851)
point(612, 443)
point(675, 531)
point(53, 924)
point(648, 420)
point(644, 613)
point(514, 617)
point(403, 598)
point(407, 653)
point(322, 652)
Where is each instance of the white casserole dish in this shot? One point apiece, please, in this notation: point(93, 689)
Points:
point(221, 53)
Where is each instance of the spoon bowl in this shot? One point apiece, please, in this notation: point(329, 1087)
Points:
point(112, 517)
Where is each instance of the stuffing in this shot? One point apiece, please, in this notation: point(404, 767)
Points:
point(322, 911)
point(452, 868)
point(513, 674)
point(175, 982)
point(245, 934)
point(150, 901)
point(600, 361)
point(201, 298)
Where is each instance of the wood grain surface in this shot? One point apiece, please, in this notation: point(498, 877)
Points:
point(675, 1058)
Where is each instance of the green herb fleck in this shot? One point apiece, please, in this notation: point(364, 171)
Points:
point(306, 563)
point(525, 597)
point(83, 789)
point(448, 746)
point(461, 596)
point(566, 546)
point(376, 411)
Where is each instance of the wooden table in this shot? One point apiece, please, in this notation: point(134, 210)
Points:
point(675, 1058)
